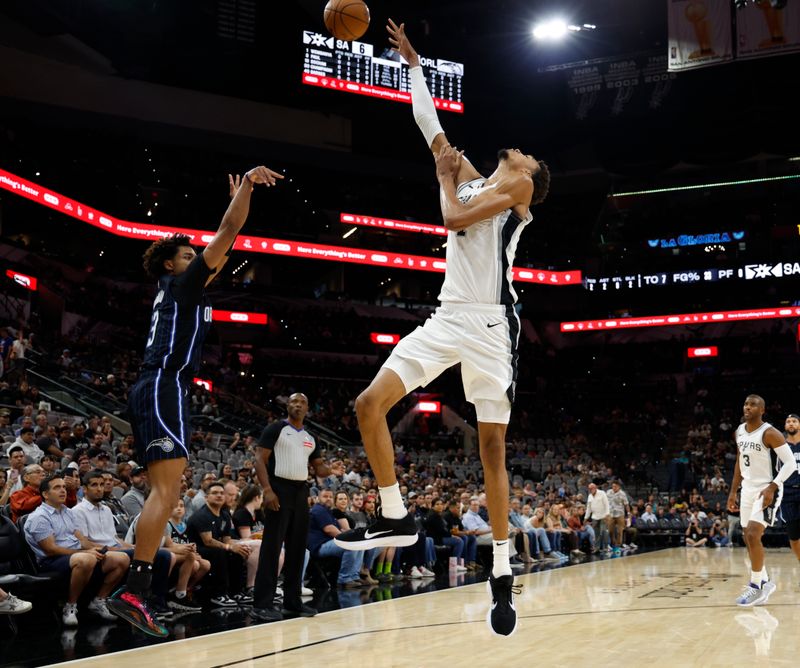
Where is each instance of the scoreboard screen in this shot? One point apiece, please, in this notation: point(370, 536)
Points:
point(355, 67)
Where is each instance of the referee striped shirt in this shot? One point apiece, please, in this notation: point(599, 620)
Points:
point(291, 448)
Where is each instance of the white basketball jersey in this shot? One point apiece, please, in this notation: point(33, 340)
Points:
point(756, 460)
point(480, 258)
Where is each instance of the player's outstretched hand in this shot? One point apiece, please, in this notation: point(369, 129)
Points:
point(400, 43)
point(263, 175)
point(233, 185)
point(448, 161)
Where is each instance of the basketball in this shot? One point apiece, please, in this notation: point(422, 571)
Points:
point(346, 19)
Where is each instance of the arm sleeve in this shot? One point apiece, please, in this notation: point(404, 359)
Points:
point(422, 106)
point(788, 464)
point(188, 286)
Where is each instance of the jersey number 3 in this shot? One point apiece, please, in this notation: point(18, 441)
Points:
point(153, 325)
point(746, 460)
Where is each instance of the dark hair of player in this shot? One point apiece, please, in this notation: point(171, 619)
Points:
point(161, 251)
point(541, 183)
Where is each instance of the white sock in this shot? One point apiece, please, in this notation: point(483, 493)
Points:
point(764, 576)
point(501, 565)
point(392, 503)
point(180, 594)
point(755, 578)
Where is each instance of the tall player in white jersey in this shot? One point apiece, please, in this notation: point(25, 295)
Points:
point(759, 445)
point(475, 325)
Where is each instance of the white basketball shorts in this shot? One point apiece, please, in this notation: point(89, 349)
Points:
point(482, 337)
point(751, 507)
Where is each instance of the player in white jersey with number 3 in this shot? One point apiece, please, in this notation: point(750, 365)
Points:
point(759, 445)
point(476, 326)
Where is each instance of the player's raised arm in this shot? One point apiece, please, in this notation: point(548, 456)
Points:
point(236, 215)
point(510, 192)
point(421, 101)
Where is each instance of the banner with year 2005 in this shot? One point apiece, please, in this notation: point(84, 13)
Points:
point(763, 30)
point(699, 33)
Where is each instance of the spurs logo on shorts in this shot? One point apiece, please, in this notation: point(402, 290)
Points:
point(166, 444)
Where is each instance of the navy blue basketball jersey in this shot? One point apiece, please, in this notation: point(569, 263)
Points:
point(794, 480)
point(181, 320)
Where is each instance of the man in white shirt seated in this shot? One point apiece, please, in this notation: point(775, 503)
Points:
point(475, 524)
point(648, 515)
point(96, 521)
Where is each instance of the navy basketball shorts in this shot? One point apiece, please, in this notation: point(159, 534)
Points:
point(158, 406)
point(790, 512)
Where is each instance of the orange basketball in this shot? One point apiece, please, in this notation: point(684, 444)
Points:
point(346, 19)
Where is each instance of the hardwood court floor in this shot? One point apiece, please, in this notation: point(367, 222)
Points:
point(668, 608)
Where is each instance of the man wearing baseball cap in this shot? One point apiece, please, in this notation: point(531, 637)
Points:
point(790, 508)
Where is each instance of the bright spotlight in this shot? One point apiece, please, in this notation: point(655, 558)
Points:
point(555, 29)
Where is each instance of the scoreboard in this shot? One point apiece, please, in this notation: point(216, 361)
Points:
point(354, 67)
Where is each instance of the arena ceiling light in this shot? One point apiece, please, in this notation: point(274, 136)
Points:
point(553, 29)
point(556, 29)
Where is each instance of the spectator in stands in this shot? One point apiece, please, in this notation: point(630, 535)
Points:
point(27, 499)
point(452, 518)
point(210, 529)
point(472, 521)
point(598, 513)
point(124, 475)
point(125, 449)
point(73, 484)
point(648, 515)
point(11, 605)
point(718, 534)
point(198, 499)
point(695, 534)
point(618, 508)
point(50, 464)
point(26, 422)
point(79, 438)
point(323, 527)
point(48, 442)
point(16, 460)
point(95, 521)
point(113, 503)
point(177, 542)
point(253, 543)
point(26, 442)
point(133, 500)
point(583, 531)
point(99, 459)
point(436, 528)
point(52, 533)
point(5, 424)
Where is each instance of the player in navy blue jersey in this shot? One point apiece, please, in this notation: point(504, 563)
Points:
point(790, 508)
point(158, 403)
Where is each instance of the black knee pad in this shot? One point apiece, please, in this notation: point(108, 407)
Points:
point(793, 529)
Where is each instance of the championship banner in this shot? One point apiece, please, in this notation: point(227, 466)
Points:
point(632, 85)
point(762, 30)
point(699, 33)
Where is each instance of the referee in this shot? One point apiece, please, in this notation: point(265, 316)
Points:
point(282, 457)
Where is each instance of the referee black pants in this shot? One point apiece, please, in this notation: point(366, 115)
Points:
point(289, 526)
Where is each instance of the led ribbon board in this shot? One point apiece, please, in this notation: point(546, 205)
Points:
point(681, 319)
point(124, 228)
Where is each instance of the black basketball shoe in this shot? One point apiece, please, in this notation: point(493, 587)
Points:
point(384, 533)
point(502, 617)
